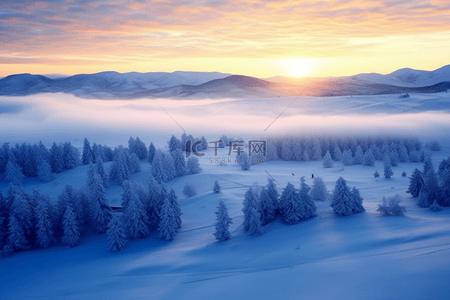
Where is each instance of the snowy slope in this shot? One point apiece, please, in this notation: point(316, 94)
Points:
point(329, 257)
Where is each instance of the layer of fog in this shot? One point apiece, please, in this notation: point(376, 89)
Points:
point(61, 117)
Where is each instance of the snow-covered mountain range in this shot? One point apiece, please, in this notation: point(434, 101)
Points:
point(113, 85)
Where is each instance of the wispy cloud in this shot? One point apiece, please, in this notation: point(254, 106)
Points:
point(212, 29)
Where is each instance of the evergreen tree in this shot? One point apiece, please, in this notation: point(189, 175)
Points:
point(193, 165)
point(184, 139)
point(140, 149)
point(223, 222)
point(174, 144)
point(250, 202)
point(391, 206)
point(319, 191)
point(4, 214)
point(376, 174)
point(179, 162)
point(337, 154)
point(387, 167)
point(169, 166)
point(291, 204)
point(45, 235)
point(273, 194)
point(431, 185)
point(327, 161)
point(308, 204)
point(445, 188)
point(45, 171)
point(100, 210)
point(347, 158)
point(266, 207)
point(254, 222)
point(243, 161)
point(71, 156)
point(216, 188)
point(87, 156)
point(120, 170)
point(134, 215)
point(435, 206)
point(151, 153)
point(402, 153)
point(414, 156)
point(20, 225)
point(131, 144)
point(416, 183)
point(101, 172)
point(394, 158)
point(13, 172)
point(359, 156)
point(154, 203)
point(358, 201)
point(71, 228)
point(423, 199)
point(158, 170)
point(56, 158)
point(444, 165)
point(343, 201)
point(369, 158)
point(168, 226)
point(189, 190)
point(204, 144)
point(117, 237)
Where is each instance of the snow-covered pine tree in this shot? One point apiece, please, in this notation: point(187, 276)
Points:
point(435, 206)
point(174, 144)
point(204, 144)
point(327, 161)
point(120, 171)
point(100, 210)
point(343, 200)
point(134, 216)
point(402, 152)
point(394, 158)
point(101, 172)
point(254, 222)
point(71, 156)
point(151, 153)
point(158, 170)
point(387, 167)
point(132, 161)
point(13, 172)
point(20, 225)
point(45, 171)
point(293, 208)
point(359, 156)
point(131, 144)
point(87, 156)
point(273, 194)
point(57, 158)
point(154, 203)
point(445, 188)
point(116, 234)
point(347, 158)
point(369, 158)
point(444, 165)
point(193, 165)
point(337, 153)
point(179, 162)
point(243, 161)
point(316, 150)
point(358, 201)
point(71, 229)
point(376, 174)
point(30, 166)
point(266, 207)
point(4, 214)
point(250, 201)
point(189, 190)
point(169, 167)
point(168, 226)
point(176, 207)
point(216, 188)
point(310, 207)
point(184, 139)
point(416, 183)
point(319, 191)
point(423, 199)
point(45, 235)
point(140, 149)
point(223, 222)
point(391, 206)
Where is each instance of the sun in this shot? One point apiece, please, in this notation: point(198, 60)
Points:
point(297, 67)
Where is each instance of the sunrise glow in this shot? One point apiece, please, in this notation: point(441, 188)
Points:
point(238, 37)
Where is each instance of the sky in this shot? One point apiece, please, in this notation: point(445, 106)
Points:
point(249, 37)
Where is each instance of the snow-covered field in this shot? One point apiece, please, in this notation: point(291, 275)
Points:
point(363, 256)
